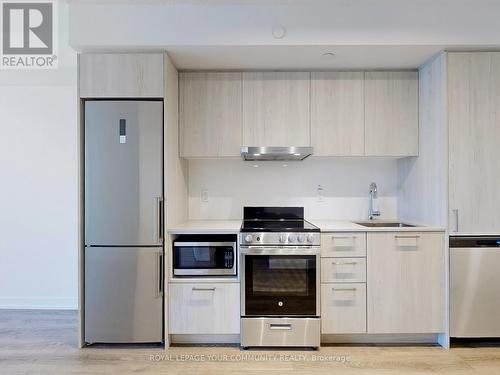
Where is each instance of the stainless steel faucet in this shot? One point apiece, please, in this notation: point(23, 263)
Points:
point(373, 195)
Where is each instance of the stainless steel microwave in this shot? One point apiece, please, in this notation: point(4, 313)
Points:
point(205, 256)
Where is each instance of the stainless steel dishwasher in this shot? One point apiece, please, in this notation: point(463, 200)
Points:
point(475, 286)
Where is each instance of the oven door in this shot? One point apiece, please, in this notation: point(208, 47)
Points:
point(204, 258)
point(280, 282)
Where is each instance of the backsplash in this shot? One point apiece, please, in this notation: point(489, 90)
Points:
point(232, 183)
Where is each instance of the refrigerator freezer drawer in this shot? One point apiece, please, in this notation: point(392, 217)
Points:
point(123, 294)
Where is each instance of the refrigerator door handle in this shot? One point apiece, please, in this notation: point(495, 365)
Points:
point(160, 219)
point(160, 275)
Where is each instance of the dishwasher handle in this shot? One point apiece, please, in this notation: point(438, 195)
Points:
point(474, 241)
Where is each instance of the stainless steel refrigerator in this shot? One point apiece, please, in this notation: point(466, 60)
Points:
point(123, 221)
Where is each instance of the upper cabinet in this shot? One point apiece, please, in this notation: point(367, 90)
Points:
point(210, 114)
point(474, 135)
point(337, 113)
point(391, 113)
point(276, 109)
point(121, 75)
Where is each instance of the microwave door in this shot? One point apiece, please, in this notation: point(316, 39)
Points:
point(123, 173)
point(192, 259)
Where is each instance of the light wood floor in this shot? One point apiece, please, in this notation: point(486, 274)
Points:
point(45, 342)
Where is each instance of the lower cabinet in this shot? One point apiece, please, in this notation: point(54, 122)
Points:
point(405, 282)
point(204, 308)
point(343, 308)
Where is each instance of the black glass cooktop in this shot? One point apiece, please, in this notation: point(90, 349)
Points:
point(276, 219)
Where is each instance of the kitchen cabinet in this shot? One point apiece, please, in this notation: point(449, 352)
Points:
point(343, 308)
point(204, 308)
point(405, 282)
point(121, 75)
point(343, 244)
point(337, 113)
point(391, 113)
point(276, 109)
point(210, 114)
point(339, 270)
point(343, 283)
point(474, 135)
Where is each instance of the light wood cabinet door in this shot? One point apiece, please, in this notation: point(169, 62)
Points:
point(276, 109)
point(121, 75)
point(204, 308)
point(343, 244)
point(210, 114)
point(343, 270)
point(405, 282)
point(343, 308)
point(337, 113)
point(474, 136)
point(391, 114)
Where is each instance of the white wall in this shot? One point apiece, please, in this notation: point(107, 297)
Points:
point(38, 189)
point(232, 184)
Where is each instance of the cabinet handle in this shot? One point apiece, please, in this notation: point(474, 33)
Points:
point(455, 213)
point(203, 289)
point(406, 236)
point(343, 263)
point(342, 237)
point(344, 289)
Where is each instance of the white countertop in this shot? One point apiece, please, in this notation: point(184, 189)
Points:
point(349, 226)
point(233, 226)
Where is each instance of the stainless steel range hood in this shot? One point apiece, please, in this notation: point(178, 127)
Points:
point(275, 153)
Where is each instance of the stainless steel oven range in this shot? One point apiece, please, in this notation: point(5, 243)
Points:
point(280, 278)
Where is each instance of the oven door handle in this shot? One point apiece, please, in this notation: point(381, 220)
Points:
point(278, 251)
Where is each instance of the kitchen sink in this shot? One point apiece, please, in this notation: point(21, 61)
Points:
point(381, 224)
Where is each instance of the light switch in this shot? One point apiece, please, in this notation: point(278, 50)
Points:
point(204, 195)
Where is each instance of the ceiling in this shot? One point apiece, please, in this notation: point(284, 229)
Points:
point(287, 34)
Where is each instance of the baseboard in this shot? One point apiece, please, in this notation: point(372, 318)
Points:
point(38, 303)
point(362, 338)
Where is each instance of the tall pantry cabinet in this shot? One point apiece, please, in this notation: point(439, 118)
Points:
point(474, 138)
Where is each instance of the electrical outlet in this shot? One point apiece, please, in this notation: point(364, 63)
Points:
point(204, 195)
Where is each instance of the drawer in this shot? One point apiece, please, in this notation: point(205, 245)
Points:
point(343, 308)
point(343, 244)
point(204, 308)
point(338, 270)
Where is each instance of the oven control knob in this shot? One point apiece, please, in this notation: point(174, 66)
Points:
point(310, 238)
point(282, 238)
point(248, 238)
point(301, 238)
point(291, 238)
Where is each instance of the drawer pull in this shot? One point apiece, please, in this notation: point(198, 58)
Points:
point(344, 263)
point(280, 327)
point(195, 289)
point(343, 237)
point(406, 237)
point(344, 289)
